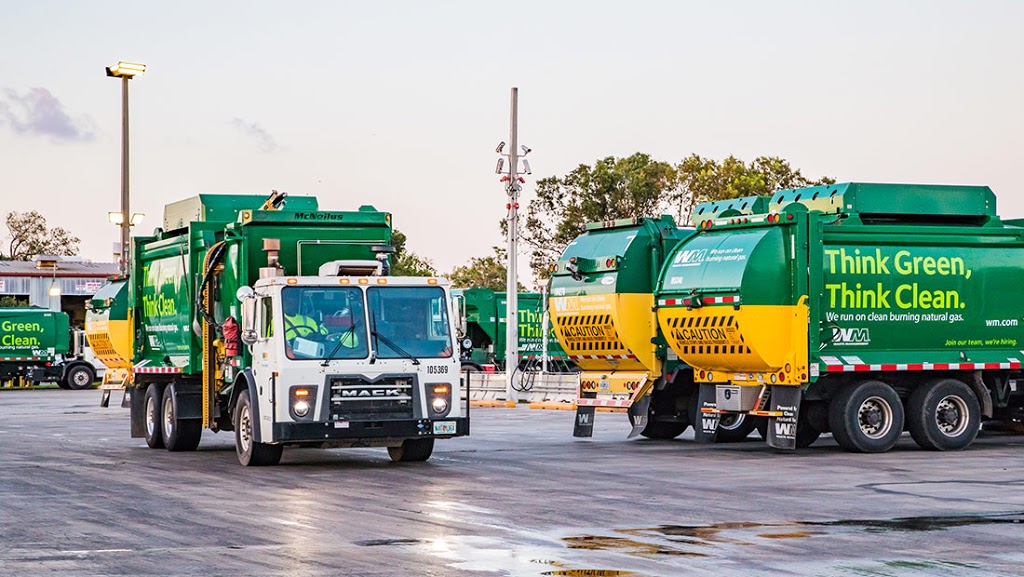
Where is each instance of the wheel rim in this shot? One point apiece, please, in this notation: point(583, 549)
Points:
point(80, 378)
point(874, 417)
point(730, 422)
point(168, 417)
point(151, 418)
point(244, 429)
point(952, 416)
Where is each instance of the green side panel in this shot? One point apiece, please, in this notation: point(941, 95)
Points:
point(164, 303)
point(223, 208)
point(619, 259)
point(969, 204)
point(531, 327)
point(949, 296)
point(33, 332)
point(750, 262)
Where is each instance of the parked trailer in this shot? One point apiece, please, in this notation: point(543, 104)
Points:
point(336, 353)
point(602, 305)
point(482, 314)
point(38, 345)
point(858, 309)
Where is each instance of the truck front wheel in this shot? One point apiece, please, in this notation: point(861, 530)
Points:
point(412, 450)
point(79, 377)
point(943, 415)
point(250, 452)
point(866, 417)
point(179, 434)
point(151, 403)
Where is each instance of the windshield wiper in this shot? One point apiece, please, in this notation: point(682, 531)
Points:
point(390, 343)
point(341, 339)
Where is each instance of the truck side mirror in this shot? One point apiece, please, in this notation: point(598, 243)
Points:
point(246, 297)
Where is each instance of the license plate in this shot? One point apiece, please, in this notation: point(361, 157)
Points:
point(444, 427)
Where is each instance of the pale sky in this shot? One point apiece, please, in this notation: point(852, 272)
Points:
point(400, 104)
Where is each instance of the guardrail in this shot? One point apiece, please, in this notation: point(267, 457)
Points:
point(530, 387)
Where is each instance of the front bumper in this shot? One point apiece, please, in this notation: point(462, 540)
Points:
point(325, 432)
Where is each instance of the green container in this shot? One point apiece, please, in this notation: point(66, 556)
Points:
point(33, 334)
point(166, 274)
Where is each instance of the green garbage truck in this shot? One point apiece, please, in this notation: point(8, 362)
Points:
point(482, 314)
point(859, 309)
point(38, 345)
point(278, 321)
point(602, 308)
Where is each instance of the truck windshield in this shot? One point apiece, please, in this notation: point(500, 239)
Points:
point(322, 320)
point(413, 320)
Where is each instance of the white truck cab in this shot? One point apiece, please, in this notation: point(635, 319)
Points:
point(347, 361)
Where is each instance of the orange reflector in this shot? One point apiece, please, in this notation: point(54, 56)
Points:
point(293, 281)
point(789, 367)
point(363, 281)
point(382, 281)
point(431, 281)
point(440, 389)
point(344, 280)
point(301, 392)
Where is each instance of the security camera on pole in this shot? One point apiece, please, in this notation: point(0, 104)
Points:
point(513, 185)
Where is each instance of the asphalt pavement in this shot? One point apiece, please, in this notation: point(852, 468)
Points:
point(519, 497)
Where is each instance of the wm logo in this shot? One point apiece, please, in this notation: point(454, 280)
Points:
point(690, 256)
point(850, 336)
point(786, 430)
point(565, 304)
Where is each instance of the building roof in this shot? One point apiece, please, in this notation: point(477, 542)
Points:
point(66, 267)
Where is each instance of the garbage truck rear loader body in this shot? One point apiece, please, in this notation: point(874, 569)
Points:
point(232, 268)
point(858, 309)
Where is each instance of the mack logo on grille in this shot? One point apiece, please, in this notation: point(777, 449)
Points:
point(372, 393)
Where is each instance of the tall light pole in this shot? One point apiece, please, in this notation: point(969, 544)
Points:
point(513, 186)
point(125, 71)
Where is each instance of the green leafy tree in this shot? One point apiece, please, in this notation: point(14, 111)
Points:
point(703, 179)
point(405, 262)
point(486, 272)
point(613, 188)
point(29, 236)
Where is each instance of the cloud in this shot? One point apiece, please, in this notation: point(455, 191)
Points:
point(39, 113)
point(264, 140)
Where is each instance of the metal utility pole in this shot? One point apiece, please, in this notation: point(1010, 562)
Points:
point(125, 71)
point(513, 186)
point(512, 280)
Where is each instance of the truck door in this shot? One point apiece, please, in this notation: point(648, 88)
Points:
point(263, 365)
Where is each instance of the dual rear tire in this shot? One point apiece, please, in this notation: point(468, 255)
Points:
point(869, 417)
point(163, 427)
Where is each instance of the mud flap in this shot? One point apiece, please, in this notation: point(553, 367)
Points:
point(584, 422)
point(705, 425)
point(638, 415)
point(782, 430)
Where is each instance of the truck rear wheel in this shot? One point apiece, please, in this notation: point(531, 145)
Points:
point(663, 429)
point(943, 415)
point(151, 403)
point(179, 434)
point(412, 450)
point(80, 377)
point(250, 452)
point(866, 417)
point(734, 427)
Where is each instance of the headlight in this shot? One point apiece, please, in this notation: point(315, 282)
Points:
point(301, 400)
point(440, 399)
point(301, 408)
point(439, 405)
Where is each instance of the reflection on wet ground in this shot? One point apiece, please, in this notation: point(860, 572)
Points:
point(655, 548)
